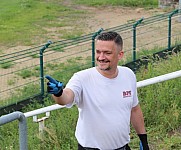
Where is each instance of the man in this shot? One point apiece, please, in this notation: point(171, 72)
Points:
point(106, 97)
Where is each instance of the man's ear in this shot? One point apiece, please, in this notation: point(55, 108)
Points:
point(121, 54)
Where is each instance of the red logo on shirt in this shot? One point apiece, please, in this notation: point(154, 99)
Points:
point(126, 94)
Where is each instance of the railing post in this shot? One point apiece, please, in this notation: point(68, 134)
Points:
point(41, 67)
point(134, 41)
point(170, 27)
point(22, 126)
point(93, 46)
point(41, 122)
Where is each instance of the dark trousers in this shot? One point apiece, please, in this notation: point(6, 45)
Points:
point(86, 148)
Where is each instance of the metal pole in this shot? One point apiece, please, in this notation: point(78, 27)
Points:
point(169, 28)
point(41, 66)
point(134, 41)
point(22, 126)
point(179, 19)
point(41, 122)
point(93, 46)
point(169, 32)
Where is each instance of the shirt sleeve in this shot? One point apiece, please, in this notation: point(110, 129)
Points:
point(75, 85)
point(135, 96)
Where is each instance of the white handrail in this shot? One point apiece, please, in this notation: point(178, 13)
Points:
point(158, 79)
point(43, 110)
point(143, 83)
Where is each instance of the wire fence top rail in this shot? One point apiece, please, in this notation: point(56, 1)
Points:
point(65, 43)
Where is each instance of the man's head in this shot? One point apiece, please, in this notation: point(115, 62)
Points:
point(108, 51)
point(111, 36)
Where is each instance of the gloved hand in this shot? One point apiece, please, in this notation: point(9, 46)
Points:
point(54, 87)
point(144, 142)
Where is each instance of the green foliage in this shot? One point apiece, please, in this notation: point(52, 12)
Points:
point(133, 3)
point(34, 55)
point(63, 137)
point(6, 65)
point(27, 18)
point(11, 82)
point(25, 73)
point(21, 92)
point(7, 133)
point(161, 103)
point(58, 48)
point(70, 35)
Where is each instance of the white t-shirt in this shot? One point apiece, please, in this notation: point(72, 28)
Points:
point(104, 107)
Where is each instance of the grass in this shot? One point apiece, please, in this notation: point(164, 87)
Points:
point(25, 73)
point(24, 22)
point(130, 3)
point(6, 65)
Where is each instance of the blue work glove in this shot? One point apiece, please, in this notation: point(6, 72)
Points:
point(144, 142)
point(54, 87)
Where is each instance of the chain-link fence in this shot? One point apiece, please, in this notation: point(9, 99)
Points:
point(22, 71)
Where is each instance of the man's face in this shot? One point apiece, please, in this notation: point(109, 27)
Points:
point(107, 55)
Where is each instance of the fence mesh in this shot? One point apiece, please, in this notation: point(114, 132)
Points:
point(20, 69)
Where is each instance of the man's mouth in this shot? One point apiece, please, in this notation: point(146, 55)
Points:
point(101, 61)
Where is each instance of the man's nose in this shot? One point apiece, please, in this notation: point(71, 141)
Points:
point(102, 56)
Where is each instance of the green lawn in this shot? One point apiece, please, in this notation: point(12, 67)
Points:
point(25, 22)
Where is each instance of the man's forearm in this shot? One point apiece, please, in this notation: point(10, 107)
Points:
point(67, 97)
point(137, 120)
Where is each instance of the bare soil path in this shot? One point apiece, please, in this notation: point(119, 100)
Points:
point(107, 17)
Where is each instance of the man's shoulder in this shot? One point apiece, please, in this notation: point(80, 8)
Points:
point(90, 69)
point(127, 73)
point(125, 69)
point(85, 71)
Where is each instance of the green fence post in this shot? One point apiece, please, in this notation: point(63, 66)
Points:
point(41, 67)
point(93, 46)
point(169, 27)
point(134, 41)
point(179, 19)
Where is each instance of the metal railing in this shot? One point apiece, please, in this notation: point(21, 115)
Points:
point(22, 126)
